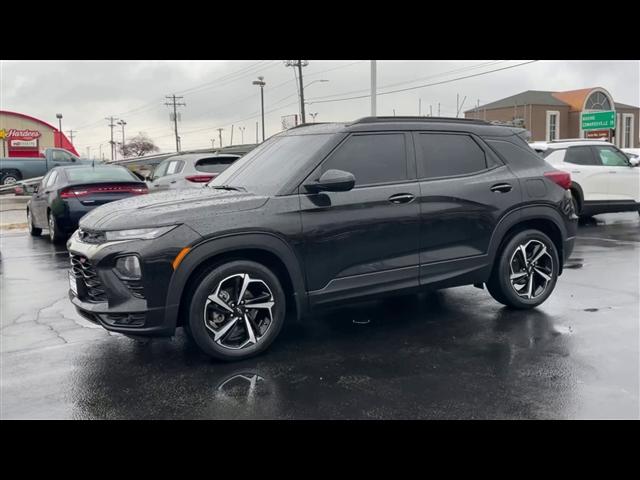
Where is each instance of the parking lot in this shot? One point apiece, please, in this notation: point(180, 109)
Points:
point(441, 355)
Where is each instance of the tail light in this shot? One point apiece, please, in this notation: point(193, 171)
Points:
point(78, 192)
point(201, 178)
point(560, 178)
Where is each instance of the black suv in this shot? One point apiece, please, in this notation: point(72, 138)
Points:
point(321, 214)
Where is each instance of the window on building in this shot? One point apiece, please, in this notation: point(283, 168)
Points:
point(375, 158)
point(553, 125)
point(597, 101)
point(447, 155)
point(627, 131)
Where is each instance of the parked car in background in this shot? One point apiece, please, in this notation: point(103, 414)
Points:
point(14, 169)
point(189, 170)
point(327, 213)
point(604, 179)
point(65, 194)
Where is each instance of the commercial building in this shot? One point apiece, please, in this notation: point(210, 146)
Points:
point(585, 113)
point(25, 136)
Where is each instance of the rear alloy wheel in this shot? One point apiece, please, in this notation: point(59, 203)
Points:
point(55, 235)
point(237, 310)
point(526, 271)
point(33, 231)
point(9, 179)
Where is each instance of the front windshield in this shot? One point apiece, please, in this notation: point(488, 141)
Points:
point(268, 167)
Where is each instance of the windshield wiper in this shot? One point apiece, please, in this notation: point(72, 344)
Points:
point(229, 187)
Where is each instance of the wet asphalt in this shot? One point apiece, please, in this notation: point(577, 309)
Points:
point(453, 354)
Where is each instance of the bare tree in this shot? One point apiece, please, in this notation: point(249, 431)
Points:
point(138, 146)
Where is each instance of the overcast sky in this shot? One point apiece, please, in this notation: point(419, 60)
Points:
point(220, 93)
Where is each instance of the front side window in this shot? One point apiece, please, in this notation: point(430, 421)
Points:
point(580, 156)
point(161, 170)
point(448, 155)
point(371, 158)
point(60, 156)
point(610, 157)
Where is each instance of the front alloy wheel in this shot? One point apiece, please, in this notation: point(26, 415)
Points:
point(236, 310)
point(531, 269)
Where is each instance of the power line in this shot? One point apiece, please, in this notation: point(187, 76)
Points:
point(425, 85)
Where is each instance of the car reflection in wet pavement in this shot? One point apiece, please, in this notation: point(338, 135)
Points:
point(438, 355)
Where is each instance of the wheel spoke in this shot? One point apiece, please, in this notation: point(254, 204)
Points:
point(218, 301)
point(245, 283)
point(540, 253)
point(250, 332)
point(523, 252)
point(267, 305)
point(219, 334)
point(542, 274)
point(530, 287)
point(516, 276)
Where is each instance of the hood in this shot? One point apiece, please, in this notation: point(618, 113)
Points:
point(167, 208)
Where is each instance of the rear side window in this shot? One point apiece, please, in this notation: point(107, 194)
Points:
point(512, 153)
point(214, 164)
point(580, 156)
point(448, 155)
point(174, 166)
point(371, 158)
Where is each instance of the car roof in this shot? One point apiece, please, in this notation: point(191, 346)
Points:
point(479, 127)
point(86, 165)
point(573, 143)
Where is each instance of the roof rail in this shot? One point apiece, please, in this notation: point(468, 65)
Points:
point(578, 140)
point(419, 119)
point(307, 124)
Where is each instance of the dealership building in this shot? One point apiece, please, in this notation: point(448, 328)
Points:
point(585, 113)
point(25, 136)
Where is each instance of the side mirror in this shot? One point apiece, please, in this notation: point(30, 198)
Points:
point(36, 188)
point(635, 161)
point(332, 181)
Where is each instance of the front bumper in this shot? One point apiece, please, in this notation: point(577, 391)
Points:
point(117, 305)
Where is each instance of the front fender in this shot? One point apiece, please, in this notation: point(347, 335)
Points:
point(208, 249)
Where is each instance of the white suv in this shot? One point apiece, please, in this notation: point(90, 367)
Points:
point(604, 179)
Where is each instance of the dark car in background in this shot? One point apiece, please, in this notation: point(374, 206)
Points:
point(65, 194)
point(190, 170)
point(327, 213)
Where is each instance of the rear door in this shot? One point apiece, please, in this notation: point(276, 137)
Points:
point(39, 202)
point(464, 190)
point(588, 172)
point(364, 240)
point(623, 180)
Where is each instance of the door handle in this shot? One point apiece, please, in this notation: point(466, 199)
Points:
point(575, 171)
point(401, 198)
point(501, 188)
point(172, 181)
point(612, 171)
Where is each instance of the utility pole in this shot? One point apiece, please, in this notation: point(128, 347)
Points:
point(261, 83)
point(220, 135)
point(438, 108)
point(459, 108)
point(111, 142)
point(59, 117)
point(242, 134)
point(213, 143)
point(231, 134)
point(374, 87)
point(89, 152)
point(71, 132)
point(419, 107)
point(174, 103)
point(431, 110)
point(299, 64)
point(122, 123)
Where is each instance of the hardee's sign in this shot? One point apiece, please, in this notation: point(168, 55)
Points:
point(26, 134)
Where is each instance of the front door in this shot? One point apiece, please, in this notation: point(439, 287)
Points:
point(623, 180)
point(365, 239)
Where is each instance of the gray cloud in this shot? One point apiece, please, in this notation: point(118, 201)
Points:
point(87, 91)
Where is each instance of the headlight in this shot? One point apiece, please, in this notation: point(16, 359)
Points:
point(138, 233)
point(128, 268)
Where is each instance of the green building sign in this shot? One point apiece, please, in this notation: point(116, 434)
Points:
point(598, 120)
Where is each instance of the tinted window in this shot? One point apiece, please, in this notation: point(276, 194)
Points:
point(445, 155)
point(267, 168)
point(214, 164)
point(610, 157)
point(100, 174)
point(376, 158)
point(514, 153)
point(580, 156)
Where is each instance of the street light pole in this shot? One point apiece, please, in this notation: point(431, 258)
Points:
point(122, 123)
point(260, 82)
point(59, 117)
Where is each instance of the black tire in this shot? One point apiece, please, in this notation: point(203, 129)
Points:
point(55, 235)
point(500, 284)
point(10, 177)
point(33, 231)
point(575, 201)
point(225, 277)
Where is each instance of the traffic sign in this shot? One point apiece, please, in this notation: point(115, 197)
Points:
point(598, 120)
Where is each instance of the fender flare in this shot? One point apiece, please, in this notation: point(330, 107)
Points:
point(576, 186)
point(207, 249)
point(523, 214)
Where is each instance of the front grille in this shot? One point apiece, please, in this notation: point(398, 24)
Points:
point(83, 271)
